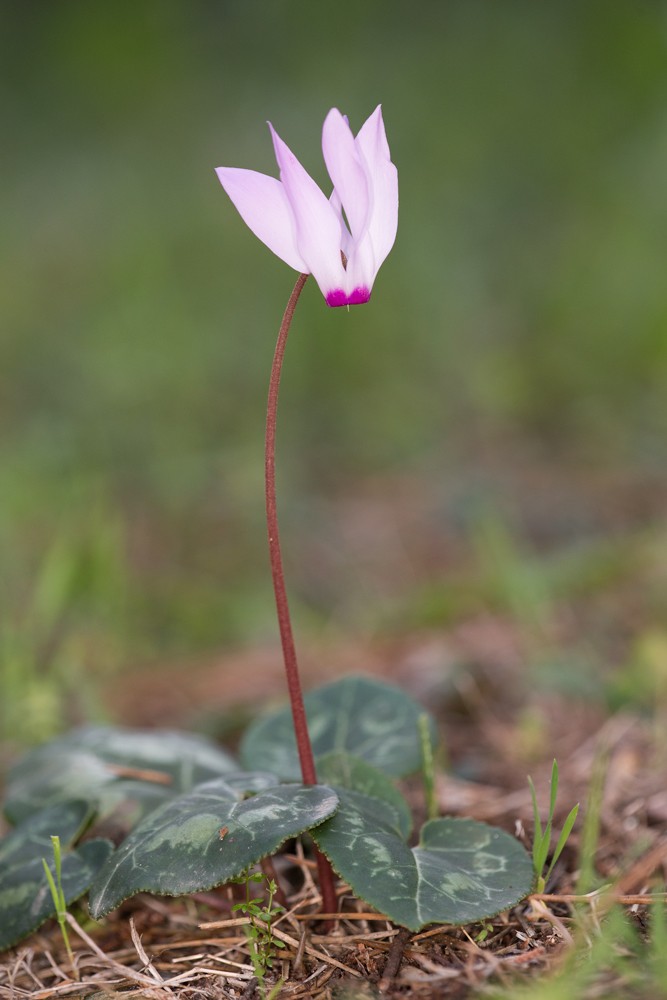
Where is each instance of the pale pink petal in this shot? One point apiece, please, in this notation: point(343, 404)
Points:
point(263, 205)
point(372, 133)
point(318, 230)
point(345, 236)
point(348, 171)
point(361, 269)
point(372, 143)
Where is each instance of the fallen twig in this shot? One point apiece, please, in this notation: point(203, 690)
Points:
point(394, 959)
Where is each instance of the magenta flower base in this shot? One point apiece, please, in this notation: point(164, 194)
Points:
point(356, 298)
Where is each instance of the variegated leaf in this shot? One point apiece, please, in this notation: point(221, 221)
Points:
point(206, 838)
point(25, 897)
point(461, 871)
point(359, 715)
point(105, 764)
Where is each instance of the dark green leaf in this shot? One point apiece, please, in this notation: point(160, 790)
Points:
point(461, 871)
point(25, 898)
point(342, 770)
point(364, 717)
point(32, 838)
point(206, 838)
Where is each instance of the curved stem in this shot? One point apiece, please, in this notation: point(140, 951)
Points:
point(305, 750)
point(282, 607)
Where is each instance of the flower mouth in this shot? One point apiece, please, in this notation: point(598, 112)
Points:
point(358, 295)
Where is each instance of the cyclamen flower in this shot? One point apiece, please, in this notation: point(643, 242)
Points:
point(309, 231)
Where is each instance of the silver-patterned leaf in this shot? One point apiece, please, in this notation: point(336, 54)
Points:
point(105, 764)
point(358, 715)
point(206, 838)
point(187, 757)
point(460, 872)
point(43, 779)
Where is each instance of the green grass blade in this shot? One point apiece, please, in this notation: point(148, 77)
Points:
point(591, 829)
point(554, 789)
point(52, 886)
point(537, 832)
point(543, 852)
point(428, 765)
point(61, 906)
point(562, 840)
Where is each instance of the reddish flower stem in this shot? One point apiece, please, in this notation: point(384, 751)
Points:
point(305, 750)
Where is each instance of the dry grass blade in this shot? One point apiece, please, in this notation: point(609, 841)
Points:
point(106, 960)
point(136, 940)
point(140, 774)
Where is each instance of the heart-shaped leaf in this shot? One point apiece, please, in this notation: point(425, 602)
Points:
point(461, 870)
point(364, 717)
point(25, 897)
point(108, 765)
point(206, 838)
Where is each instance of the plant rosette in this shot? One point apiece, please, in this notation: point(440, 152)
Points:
point(214, 819)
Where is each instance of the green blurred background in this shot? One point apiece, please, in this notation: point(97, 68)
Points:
point(519, 323)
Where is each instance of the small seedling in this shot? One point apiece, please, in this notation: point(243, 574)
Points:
point(542, 838)
point(483, 934)
point(258, 932)
point(58, 895)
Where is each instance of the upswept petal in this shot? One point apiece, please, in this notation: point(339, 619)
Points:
point(263, 205)
point(348, 171)
point(373, 131)
point(371, 141)
point(359, 262)
point(345, 237)
point(361, 269)
point(318, 233)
